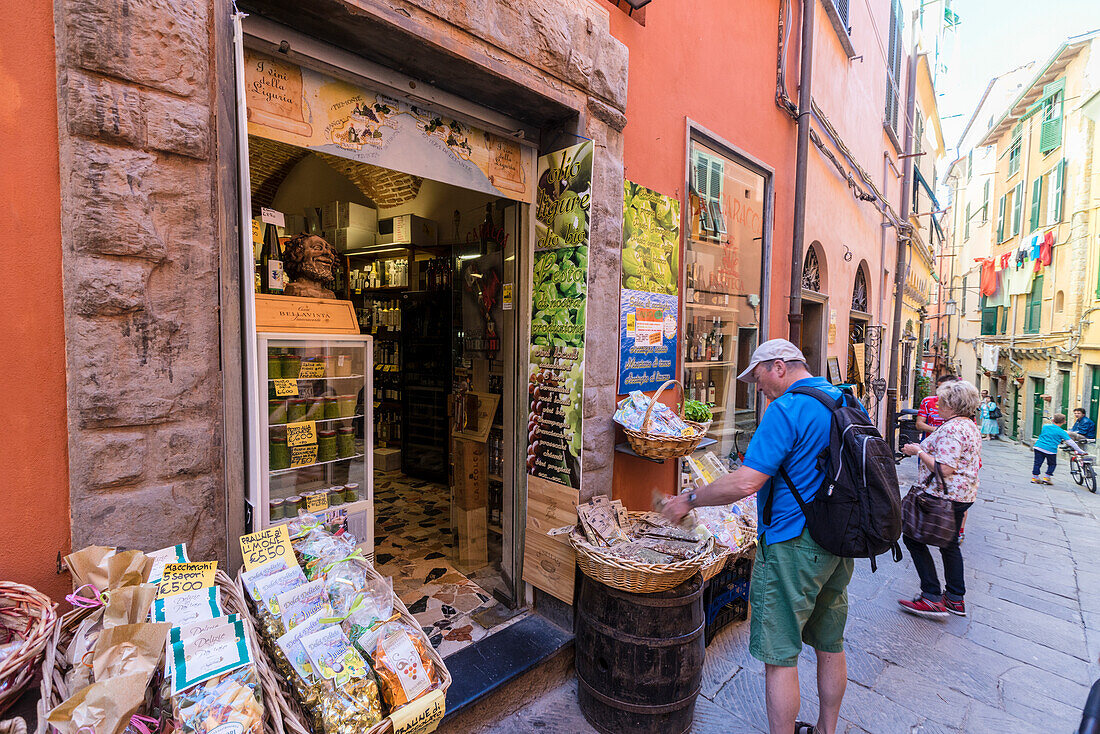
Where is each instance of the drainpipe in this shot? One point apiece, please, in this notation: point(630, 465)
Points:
point(802, 152)
point(904, 239)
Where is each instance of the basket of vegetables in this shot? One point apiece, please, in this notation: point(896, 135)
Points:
point(661, 433)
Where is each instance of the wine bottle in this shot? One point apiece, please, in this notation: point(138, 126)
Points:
point(271, 261)
point(711, 391)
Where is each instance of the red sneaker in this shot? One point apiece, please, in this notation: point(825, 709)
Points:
point(923, 607)
point(958, 608)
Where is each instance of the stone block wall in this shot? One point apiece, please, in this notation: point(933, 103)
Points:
point(140, 254)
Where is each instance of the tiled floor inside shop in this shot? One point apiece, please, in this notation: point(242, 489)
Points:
point(414, 545)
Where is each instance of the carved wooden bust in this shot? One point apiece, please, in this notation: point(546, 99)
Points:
point(310, 265)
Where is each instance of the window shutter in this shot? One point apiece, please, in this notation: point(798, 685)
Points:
point(966, 226)
point(969, 165)
point(1050, 135)
point(1036, 202)
point(1001, 220)
point(1058, 189)
point(985, 202)
point(1033, 315)
point(1017, 208)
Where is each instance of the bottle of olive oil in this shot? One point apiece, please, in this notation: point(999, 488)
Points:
point(271, 262)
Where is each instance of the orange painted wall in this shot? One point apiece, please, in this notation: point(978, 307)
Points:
point(33, 454)
point(733, 97)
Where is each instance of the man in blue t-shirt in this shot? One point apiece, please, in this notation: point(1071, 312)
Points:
point(798, 589)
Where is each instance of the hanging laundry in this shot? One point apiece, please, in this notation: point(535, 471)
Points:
point(1019, 281)
point(1000, 298)
point(1046, 248)
point(1006, 260)
point(1033, 247)
point(991, 355)
point(989, 278)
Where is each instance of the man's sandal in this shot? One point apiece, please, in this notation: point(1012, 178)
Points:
point(801, 727)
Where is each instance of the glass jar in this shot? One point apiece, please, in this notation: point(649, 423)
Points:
point(351, 492)
point(345, 441)
point(291, 366)
point(274, 365)
point(347, 404)
point(294, 504)
point(276, 510)
point(279, 456)
point(332, 407)
point(276, 411)
point(342, 365)
point(316, 409)
point(335, 496)
point(326, 446)
point(296, 409)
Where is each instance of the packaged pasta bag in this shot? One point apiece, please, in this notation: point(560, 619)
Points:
point(400, 658)
point(292, 661)
point(215, 686)
point(103, 707)
point(302, 602)
point(129, 648)
point(269, 589)
point(251, 577)
point(349, 700)
point(190, 606)
point(320, 548)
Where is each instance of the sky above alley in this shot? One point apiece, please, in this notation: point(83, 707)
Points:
point(995, 36)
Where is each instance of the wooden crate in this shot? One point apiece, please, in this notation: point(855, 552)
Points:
point(471, 536)
point(471, 474)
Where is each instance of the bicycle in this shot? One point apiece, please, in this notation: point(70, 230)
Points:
point(1081, 469)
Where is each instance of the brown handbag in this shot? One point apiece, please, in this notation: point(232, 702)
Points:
point(927, 518)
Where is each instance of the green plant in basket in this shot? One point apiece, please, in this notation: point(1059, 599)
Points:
point(697, 411)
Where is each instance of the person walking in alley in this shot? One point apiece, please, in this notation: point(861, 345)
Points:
point(947, 467)
point(928, 416)
point(989, 413)
point(798, 590)
point(1046, 448)
point(1083, 425)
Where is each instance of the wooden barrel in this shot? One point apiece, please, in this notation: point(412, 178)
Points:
point(639, 657)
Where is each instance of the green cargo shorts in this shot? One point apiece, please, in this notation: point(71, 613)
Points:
point(799, 594)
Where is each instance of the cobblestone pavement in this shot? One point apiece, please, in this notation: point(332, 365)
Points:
point(1021, 662)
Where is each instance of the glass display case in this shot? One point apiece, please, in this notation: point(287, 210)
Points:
point(722, 303)
point(317, 416)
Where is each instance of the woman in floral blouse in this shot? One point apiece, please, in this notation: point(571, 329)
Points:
point(957, 447)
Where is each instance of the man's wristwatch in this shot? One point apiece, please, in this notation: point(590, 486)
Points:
point(691, 499)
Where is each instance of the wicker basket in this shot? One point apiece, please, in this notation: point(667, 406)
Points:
point(54, 690)
point(28, 615)
point(719, 556)
point(654, 446)
point(294, 718)
point(639, 577)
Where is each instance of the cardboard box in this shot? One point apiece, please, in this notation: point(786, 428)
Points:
point(471, 536)
point(387, 459)
point(349, 238)
point(295, 225)
point(409, 229)
point(339, 214)
point(471, 474)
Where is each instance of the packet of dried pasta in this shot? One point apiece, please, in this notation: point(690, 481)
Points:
point(400, 658)
point(215, 686)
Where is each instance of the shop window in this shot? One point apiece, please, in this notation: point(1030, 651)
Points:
point(724, 277)
point(811, 270)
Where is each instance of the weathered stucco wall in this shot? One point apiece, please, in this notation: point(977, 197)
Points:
point(140, 271)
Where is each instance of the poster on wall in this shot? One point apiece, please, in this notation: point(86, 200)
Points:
point(296, 105)
point(559, 291)
point(648, 299)
point(559, 288)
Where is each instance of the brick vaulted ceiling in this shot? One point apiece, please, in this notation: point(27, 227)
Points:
point(270, 162)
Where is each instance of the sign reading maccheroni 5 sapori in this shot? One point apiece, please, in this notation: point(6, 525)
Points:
point(296, 105)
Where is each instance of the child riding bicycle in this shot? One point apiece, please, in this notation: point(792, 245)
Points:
point(1046, 448)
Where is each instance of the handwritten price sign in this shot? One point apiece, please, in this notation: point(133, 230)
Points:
point(180, 578)
point(300, 434)
point(316, 502)
point(303, 455)
point(267, 545)
point(311, 370)
point(421, 716)
point(286, 388)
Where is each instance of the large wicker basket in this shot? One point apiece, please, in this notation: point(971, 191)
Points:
point(54, 690)
point(656, 446)
point(294, 719)
point(719, 556)
point(639, 577)
point(26, 616)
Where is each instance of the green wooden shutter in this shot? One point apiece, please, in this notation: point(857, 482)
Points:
point(1034, 310)
point(1003, 328)
point(1017, 208)
point(966, 227)
point(1001, 220)
point(989, 318)
point(1058, 190)
point(1050, 135)
point(1036, 202)
point(985, 202)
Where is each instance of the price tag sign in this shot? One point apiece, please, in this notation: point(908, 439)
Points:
point(310, 370)
point(303, 455)
point(302, 433)
point(286, 388)
point(272, 216)
point(180, 578)
point(421, 716)
point(316, 502)
point(506, 297)
point(267, 545)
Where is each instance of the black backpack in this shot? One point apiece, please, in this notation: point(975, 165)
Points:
point(856, 512)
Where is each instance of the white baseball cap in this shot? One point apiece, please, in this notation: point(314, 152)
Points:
point(770, 351)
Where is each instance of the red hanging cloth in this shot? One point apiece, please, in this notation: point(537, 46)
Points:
point(1046, 249)
point(989, 277)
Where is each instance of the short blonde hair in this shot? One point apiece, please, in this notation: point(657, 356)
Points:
point(959, 396)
